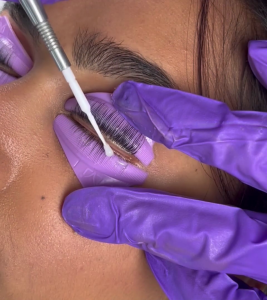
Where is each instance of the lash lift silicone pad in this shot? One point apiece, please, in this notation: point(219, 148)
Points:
point(87, 158)
point(38, 17)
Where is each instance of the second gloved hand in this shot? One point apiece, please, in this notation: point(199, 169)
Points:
point(182, 238)
point(205, 129)
point(189, 243)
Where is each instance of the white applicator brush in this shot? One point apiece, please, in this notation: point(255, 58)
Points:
point(38, 17)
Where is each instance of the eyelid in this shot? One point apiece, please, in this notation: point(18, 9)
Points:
point(5, 66)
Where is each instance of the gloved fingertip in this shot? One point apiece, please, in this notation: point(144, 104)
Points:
point(130, 101)
point(87, 216)
point(257, 57)
point(72, 213)
point(125, 98)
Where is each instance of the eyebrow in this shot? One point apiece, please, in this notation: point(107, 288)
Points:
point(101, 54)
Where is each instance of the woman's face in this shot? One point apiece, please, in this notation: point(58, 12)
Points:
point(41, 257)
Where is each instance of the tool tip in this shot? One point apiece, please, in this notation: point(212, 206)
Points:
point(108, 151)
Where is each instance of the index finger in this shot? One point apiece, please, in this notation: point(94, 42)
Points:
point(194, 234)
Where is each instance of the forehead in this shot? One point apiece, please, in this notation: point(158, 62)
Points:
point(122, 18)
point(139, 10)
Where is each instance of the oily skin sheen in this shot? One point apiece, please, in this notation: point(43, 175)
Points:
point(41, 257)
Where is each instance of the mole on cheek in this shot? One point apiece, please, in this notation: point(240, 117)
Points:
point(42, 197)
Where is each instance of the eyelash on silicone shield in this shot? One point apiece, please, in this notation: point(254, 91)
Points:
point(94, 147)
point(114, 127)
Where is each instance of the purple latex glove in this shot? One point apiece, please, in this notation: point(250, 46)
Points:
point(205, 129)
point(11, 47)
point(257, 57)
point(190, 245)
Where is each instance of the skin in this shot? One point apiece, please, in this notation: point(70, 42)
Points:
point(41, 257)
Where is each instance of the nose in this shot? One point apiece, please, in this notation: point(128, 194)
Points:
point(34, 94)
point(28, 107)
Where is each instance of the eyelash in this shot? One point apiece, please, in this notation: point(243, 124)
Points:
point(86, 139)
point(126, 137)
point(93, 145)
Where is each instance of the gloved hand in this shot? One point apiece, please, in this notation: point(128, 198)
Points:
point(190, 245)
point(183, 238)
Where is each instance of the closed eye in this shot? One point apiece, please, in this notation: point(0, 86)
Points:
point(4, 64)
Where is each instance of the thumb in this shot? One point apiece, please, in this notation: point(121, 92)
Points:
point(91, 215)
point(191, 233)
point(116, 215)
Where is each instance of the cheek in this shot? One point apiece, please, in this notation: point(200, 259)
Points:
point(35, 176)
point(174, 172)
point(35, 165)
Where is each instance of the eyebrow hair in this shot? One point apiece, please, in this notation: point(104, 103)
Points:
point(103, 55)
point(19, 16)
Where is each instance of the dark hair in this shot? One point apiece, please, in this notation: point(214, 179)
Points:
point(243, 92)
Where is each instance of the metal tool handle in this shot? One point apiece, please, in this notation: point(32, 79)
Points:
point(39, 19)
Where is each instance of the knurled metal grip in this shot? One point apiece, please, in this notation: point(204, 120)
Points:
point(38, 17)
point(53, 46)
